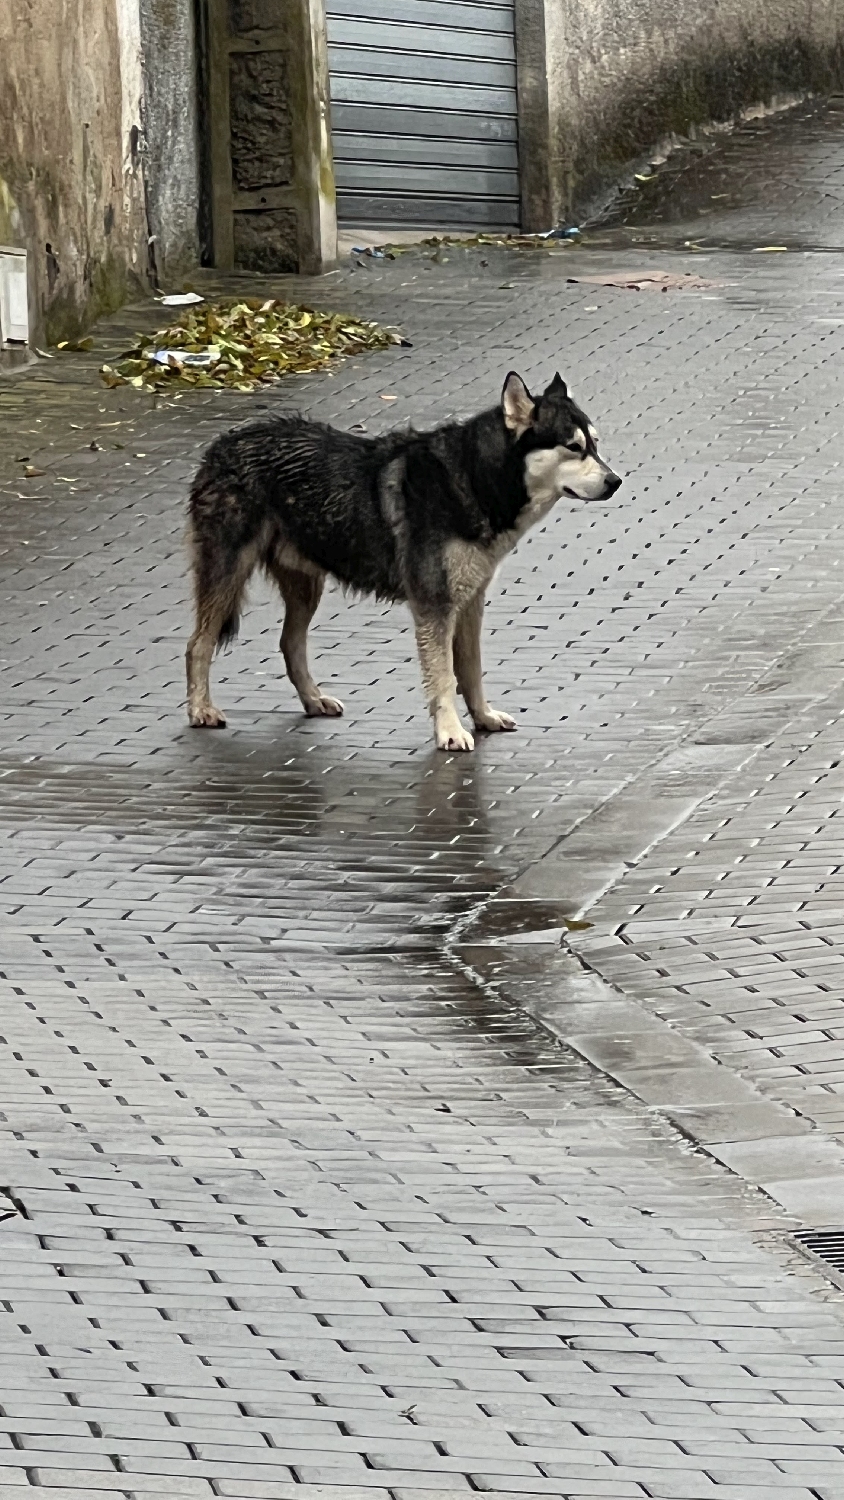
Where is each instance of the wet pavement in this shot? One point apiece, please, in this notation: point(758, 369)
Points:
point(772, 182)
point(329, 1170)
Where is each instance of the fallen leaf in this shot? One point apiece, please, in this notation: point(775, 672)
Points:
point(573, 926)
point(30, 472)
point(768, 249)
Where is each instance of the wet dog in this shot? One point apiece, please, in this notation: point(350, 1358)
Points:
point(420, 517)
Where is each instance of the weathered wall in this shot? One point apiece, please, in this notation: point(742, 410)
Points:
point(171, 166)
point(70, 175)
point(602, 80)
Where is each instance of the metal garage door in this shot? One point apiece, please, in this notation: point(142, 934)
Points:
point(423, 112)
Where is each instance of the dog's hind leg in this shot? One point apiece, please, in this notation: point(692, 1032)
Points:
point(219, 584)
point(301, 593)
point(435, 643)
point(467, 665)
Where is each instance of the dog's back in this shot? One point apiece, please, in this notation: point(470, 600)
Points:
point(277, 487)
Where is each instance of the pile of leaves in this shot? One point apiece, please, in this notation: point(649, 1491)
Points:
point(238, 345)
point(556, 240)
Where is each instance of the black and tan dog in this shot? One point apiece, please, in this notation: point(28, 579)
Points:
point(421, 517)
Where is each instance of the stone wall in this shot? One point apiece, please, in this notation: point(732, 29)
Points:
point(71, 188)
point(260, 141)
point(602, 80)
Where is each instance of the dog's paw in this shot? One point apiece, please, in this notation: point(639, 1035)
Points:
point(206, 716)
point(324, 707)
point(492, 720)
point(451, 735)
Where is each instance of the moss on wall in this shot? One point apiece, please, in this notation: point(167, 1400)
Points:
point(713, 87)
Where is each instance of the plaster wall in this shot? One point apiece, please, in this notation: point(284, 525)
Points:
point(601, 80)
point(71, 189)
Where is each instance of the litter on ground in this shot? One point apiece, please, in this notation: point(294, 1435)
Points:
point(181, 299)
point(640, 281)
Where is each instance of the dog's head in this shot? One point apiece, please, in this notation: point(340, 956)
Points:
point(559, 443)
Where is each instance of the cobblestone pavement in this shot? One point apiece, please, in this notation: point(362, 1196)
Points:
point(302, 1197)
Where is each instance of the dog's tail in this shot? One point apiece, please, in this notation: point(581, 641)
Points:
point(221, 563)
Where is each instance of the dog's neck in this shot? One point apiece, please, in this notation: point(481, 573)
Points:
point(500, 469)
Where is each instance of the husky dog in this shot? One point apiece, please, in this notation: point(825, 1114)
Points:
point(421, 517)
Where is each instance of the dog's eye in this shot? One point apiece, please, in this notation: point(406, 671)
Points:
point(575, 448)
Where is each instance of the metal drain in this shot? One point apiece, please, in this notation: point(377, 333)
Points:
point(825, 1248)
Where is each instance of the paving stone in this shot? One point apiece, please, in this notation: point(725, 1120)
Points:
point(317, 1201)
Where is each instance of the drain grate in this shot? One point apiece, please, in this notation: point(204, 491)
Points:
point(825, 1248)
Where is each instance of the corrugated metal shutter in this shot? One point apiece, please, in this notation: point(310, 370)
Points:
point(423, 112)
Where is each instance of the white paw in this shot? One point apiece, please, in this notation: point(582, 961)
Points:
point(492, 720)
point(324, 707)
point(206, 716)
point(451, 735)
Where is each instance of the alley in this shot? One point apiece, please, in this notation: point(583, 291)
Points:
point(321, 1180)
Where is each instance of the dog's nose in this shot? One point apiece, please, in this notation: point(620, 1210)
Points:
point(612, 483)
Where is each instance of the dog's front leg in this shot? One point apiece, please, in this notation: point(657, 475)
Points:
point(434, 641)
point(467, 665)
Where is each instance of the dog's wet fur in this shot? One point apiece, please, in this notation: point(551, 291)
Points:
point(420, 517)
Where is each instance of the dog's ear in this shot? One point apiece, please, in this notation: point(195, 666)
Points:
point(517, 404)
point(558, 384)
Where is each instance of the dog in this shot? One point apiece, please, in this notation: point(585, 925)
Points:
point(420, 517)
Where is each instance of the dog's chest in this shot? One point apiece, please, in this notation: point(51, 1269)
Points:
point(470, 566)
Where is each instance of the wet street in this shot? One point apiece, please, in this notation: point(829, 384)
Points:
point(336, 1163)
